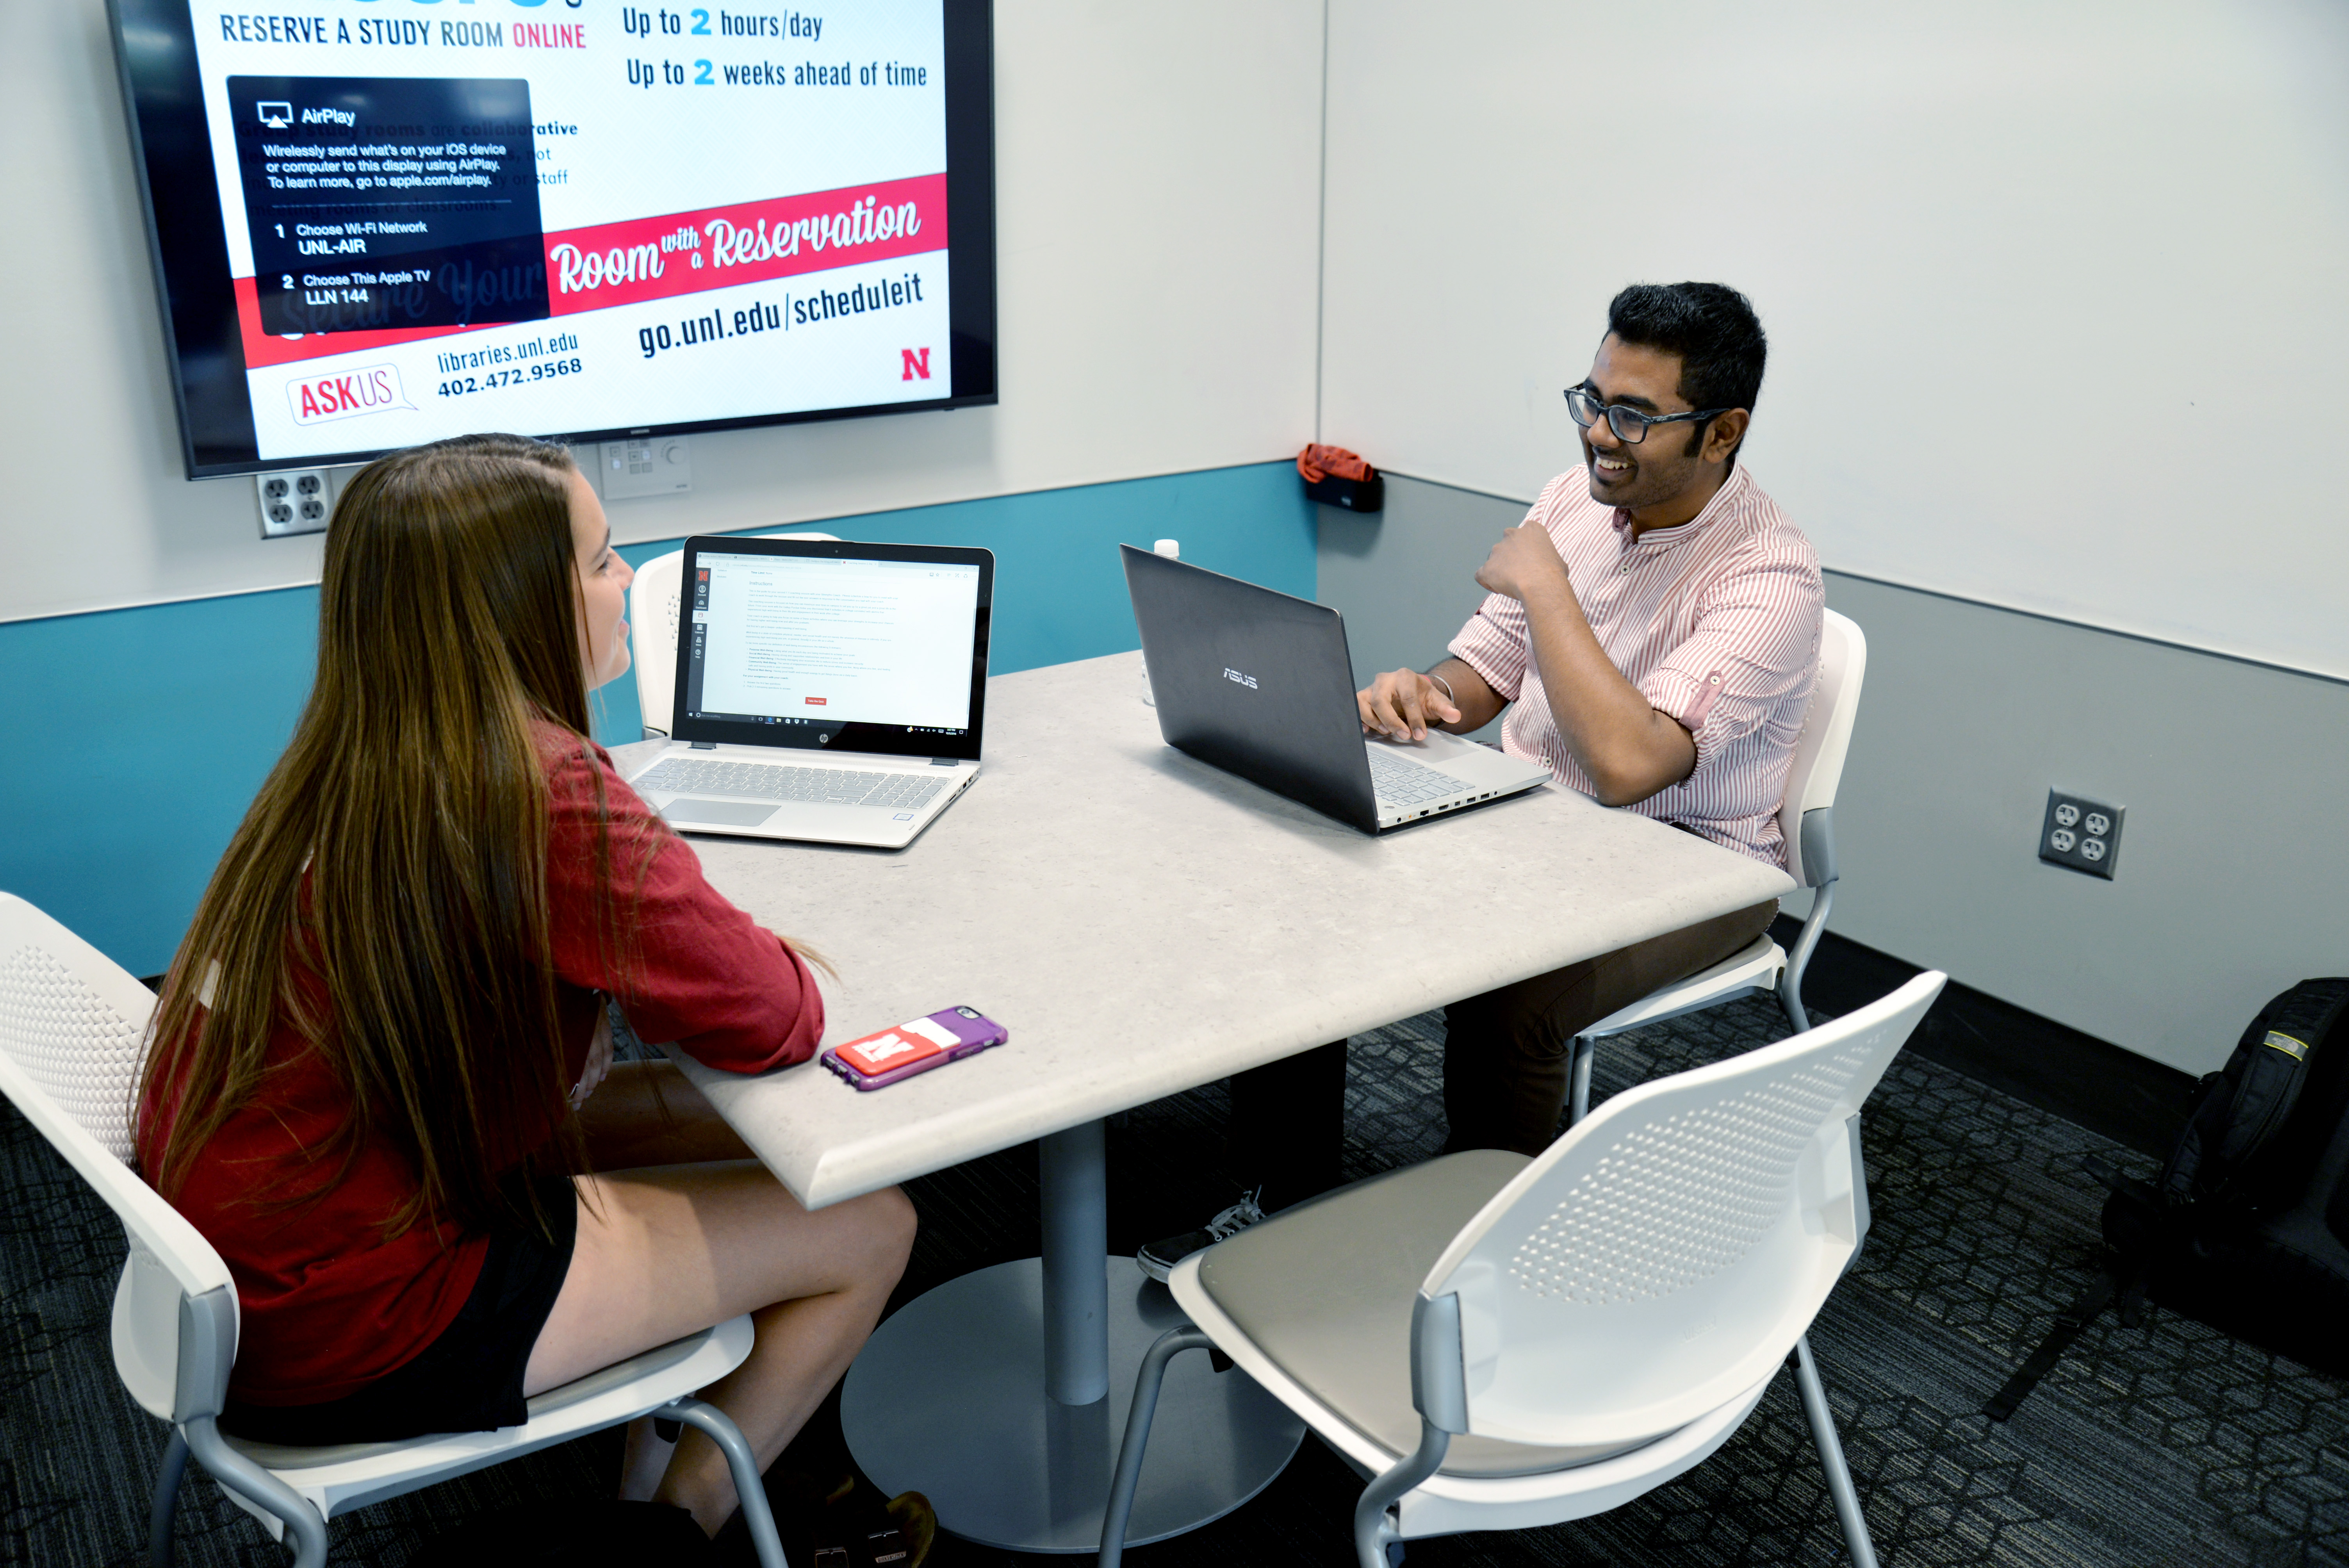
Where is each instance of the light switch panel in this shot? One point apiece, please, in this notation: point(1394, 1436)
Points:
point(645, 465)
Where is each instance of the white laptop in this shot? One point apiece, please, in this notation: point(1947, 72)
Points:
point(826, 690)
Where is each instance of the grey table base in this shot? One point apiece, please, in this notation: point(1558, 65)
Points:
point(1001, 1396)
point(948, 1400)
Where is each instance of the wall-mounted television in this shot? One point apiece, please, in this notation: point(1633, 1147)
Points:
point(377, 223)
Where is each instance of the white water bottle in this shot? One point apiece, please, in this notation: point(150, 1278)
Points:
point(1173, 551)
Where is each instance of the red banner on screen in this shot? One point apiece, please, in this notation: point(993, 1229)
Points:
point(607, 265)
point(654, 258)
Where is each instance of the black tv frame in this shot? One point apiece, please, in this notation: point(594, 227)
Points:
point(171, 149)
point(883, 739)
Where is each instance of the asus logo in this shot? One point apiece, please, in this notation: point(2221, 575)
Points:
point(1248, 681)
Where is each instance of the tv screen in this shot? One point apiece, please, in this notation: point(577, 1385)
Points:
point(377, 223)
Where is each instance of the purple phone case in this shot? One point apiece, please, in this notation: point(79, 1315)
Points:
point(972, 1034)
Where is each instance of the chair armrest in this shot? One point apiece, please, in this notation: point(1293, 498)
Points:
point(1818, 846)
point(207, 1351)
point(1439, 1374)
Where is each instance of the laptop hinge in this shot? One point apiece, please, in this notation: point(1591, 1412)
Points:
point(701, 745)
point(945, 762)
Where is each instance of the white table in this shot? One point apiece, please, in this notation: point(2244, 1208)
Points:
point(1142, 923)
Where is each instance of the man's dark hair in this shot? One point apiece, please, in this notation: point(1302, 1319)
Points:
point(1710, 326)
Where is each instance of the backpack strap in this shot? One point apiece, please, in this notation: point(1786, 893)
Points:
point(2068, 1324)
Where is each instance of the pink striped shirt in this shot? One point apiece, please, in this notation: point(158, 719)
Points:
point(1716, 622)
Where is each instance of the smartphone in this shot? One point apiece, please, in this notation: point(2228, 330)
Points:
point(948, 1035)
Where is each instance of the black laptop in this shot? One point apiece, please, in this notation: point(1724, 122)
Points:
point(1258, 683)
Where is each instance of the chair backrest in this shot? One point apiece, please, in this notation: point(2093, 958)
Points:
point(73, 1026)
point(653, 602)
point(1817, 768)
point(1664, 1255)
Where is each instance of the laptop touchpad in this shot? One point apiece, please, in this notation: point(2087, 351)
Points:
point(733, 813)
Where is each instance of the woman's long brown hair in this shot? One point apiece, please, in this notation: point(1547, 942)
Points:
point(413, 793)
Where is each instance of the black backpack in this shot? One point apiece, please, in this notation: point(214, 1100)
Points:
point(2246, 1227)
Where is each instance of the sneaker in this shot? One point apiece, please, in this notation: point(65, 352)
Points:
point(1157, 1259)
point(916, 1522)
point(830, 1521)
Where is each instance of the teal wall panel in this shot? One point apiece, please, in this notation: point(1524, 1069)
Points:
point(137, 737)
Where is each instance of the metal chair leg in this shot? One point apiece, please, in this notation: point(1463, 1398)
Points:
point(1375, 1536)
point(1146, 1385)
point(748, 1491)
point(1578, 1095)
point(257, 1486)
point(1823, 1433)
point(165, 1509)
point(1790, 981)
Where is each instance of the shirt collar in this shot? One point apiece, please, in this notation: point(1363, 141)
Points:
point(1731, 488)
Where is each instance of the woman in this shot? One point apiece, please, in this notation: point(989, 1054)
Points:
point(378, 1084)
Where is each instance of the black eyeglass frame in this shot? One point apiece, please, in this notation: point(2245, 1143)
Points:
point(1618, 412)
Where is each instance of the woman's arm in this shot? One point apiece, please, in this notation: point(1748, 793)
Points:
point(641, 923)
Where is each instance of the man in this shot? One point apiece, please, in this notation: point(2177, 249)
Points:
point(1655, 622)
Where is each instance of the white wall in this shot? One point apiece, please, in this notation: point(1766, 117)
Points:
point(1157, 220)
point(2053, 290)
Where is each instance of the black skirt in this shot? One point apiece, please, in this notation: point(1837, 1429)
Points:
point(469, 1379)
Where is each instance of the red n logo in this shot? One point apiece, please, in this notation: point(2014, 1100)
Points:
point(918, 363)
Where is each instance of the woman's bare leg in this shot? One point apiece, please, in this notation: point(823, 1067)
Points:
point(647, 1113)
point(666, 1252)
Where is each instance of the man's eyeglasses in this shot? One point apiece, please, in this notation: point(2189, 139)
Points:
point(1630, 425)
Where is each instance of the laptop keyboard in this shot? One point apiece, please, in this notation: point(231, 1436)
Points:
point(765, 781)
point(1397, 781)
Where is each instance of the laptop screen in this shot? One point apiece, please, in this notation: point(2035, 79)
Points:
point(861, 647)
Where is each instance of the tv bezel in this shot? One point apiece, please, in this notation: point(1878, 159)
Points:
point(170, 152)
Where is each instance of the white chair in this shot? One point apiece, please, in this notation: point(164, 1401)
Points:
point(1806, 818)
point(653, 599)
point(1501, 1343)
point(72, 1037)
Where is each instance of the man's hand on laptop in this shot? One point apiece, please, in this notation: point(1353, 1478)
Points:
point(1401, 704)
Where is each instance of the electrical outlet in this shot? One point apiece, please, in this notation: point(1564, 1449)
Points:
point(2081, 834)
point(293, 501)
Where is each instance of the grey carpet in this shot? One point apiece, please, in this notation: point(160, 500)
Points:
point(2168, 1444)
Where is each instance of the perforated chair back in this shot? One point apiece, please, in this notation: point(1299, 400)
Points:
point(72, 1031)
point(652, 601)
point(1664, 1255)
point(1817, 770)
point(72, 1021)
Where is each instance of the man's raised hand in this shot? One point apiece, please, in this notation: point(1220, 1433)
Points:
point(1401, 704)
point(1524, 564)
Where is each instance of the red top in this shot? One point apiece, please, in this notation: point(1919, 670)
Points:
point(328, 1305)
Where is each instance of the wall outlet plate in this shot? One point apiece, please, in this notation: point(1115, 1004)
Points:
point(2082, 834)
point(642, 466)
point(293, 501)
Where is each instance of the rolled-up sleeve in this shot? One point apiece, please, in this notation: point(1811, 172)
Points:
point(1750, 661)
point(684, 963)
point(1495, 645)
